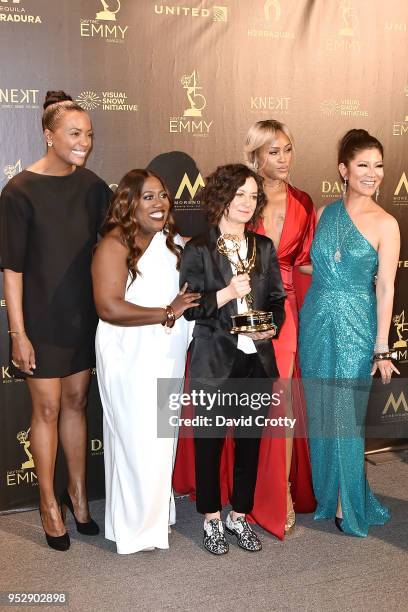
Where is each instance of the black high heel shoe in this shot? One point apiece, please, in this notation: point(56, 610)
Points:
point(90, 528)
point(337, 522)
point(61, 543)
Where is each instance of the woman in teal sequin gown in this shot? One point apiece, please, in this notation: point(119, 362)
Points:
point(343, 320)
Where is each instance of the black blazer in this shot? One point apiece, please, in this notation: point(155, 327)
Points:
point(213, 348)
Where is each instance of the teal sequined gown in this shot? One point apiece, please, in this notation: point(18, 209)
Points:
point(338, 325)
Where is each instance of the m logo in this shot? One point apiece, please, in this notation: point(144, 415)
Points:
point(396, 403)
point(403, 182)
point(186, 184)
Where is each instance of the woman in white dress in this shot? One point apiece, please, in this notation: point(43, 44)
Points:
point(137, 297)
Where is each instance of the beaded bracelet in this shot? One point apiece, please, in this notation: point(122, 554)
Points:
point(387, 355)
point(170, 317)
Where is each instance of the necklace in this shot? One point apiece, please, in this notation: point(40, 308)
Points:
point(337, 253)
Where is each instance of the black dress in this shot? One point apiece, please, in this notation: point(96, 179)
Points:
point(48, 228)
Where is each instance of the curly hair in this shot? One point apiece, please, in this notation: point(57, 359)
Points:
point(221, 187)
point(121, 215)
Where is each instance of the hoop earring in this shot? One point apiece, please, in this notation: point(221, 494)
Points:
point(377, 193)
point(49, 143)
point(345, 183)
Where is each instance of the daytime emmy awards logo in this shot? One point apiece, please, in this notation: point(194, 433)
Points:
point(197, 102)
point(22, 437)
point(401, 329)
point(105, 24)
point(106, 14)
point(349, 18)
point(12, 169)
point(25, 474)
point(347, 29)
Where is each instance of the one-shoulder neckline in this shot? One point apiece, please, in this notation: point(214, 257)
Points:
point(356, 228)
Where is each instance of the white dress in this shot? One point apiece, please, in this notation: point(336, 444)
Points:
point(138, 464)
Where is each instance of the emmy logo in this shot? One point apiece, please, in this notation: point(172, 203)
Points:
point(197, 100)
point(11, 170)
point(400, 326)
point(106, 14)
point(349, 18)
point(272, 5)
point(22, 437)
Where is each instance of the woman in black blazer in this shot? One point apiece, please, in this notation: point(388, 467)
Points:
point(233, 198)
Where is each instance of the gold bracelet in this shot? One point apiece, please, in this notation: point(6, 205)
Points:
point(11, 332)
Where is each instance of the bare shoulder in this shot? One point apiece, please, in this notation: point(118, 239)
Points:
point(385, 221)
point(112, 242)
point(320, 210)
point(111, 248)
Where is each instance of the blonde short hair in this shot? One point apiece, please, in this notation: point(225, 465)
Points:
point(258, 135)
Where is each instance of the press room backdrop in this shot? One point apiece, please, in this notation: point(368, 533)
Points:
point(175, 86)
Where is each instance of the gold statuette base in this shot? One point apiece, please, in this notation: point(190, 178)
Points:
point(252, 321)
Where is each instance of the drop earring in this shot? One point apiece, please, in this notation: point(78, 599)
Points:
point(255, 164)
point(377, 193)
point(345, 183)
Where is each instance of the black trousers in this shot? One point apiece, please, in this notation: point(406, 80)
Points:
point(208, 451)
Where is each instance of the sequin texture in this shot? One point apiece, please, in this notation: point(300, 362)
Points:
point(337, 333)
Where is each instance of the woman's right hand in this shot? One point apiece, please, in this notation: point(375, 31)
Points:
point(184, 300)
point(22, 354)
point(239, 286)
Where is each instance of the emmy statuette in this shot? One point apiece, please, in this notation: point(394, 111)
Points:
point(251, 320)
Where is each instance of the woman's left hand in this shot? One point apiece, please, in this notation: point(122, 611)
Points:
point(261, 335)
point(386, 368)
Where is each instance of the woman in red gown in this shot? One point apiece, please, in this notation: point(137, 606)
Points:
point(289, 220)
point(284, 472)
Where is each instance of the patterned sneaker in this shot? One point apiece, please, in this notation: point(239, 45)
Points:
point(214, 539)
point(246, 538)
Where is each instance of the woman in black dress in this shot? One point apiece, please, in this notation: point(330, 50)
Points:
point(49, 219)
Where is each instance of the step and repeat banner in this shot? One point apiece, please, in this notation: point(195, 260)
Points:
point(175, 86)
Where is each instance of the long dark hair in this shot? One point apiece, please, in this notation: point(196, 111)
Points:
point(221, 187)
point(122, 215)
point(354, 141)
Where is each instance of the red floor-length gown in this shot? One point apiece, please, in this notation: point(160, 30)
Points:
point(269, 509)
